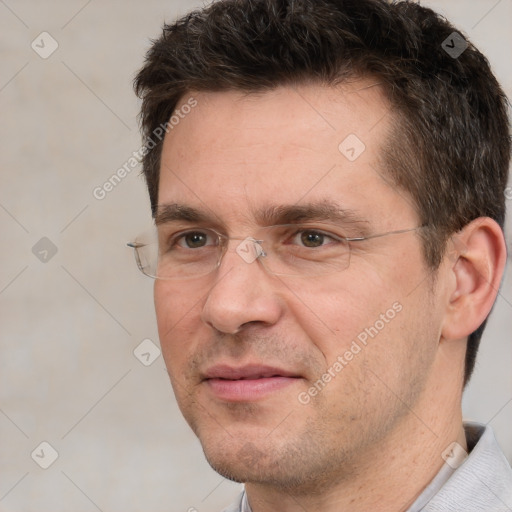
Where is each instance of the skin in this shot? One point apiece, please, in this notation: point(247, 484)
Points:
point(372, 438)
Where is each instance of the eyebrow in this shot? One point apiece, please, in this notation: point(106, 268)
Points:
point(177, 212)
point(323, 211)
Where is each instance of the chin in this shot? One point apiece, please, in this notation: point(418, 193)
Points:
point(265, 464)
point(237, 459)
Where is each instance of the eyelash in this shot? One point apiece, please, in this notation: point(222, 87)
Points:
point(176, 238)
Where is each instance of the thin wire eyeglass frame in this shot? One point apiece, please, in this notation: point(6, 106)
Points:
point(260, 254)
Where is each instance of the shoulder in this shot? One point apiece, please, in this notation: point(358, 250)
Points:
point(483, 483)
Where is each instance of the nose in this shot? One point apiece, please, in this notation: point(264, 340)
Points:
point(243, 293)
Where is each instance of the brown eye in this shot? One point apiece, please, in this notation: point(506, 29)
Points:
point(194, 240)
point(312, 238)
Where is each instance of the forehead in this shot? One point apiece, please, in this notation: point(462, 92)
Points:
point(284, 115)
point(235, 151)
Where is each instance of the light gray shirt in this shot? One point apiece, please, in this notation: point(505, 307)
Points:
point(481, 483)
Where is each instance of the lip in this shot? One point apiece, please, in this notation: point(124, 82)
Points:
point(247, 383)
point(246, 372)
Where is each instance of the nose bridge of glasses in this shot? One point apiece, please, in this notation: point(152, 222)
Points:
point(249, 249)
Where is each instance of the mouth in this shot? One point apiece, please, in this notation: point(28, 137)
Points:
point(247, 383)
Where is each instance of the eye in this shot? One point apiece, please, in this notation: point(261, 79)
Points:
point(312, 238)
point(195, 239)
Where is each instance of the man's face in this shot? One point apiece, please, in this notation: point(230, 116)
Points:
point(244, 348)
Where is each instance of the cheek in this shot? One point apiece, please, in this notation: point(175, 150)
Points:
point(366, 317)
point(334, 312)
point(177, 317)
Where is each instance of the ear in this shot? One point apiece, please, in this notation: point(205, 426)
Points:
point(477, 261)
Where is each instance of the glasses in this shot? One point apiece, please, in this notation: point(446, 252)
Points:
point(285, 250)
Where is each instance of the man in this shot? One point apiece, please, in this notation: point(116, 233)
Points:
point(327, 181)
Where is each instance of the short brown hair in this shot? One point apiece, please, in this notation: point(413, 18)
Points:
point(450, 148)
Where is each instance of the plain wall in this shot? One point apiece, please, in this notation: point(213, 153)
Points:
point(69, 325)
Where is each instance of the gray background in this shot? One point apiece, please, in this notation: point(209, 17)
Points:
point(69, 322)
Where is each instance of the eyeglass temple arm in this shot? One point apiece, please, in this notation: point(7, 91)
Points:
point(360, 238)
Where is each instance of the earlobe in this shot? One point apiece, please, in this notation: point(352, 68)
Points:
point(477, 262)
